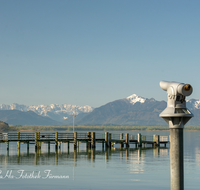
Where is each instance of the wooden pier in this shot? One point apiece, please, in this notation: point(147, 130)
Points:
point(107, 139)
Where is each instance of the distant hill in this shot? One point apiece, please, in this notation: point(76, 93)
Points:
point(122, 112)
point(16, 117)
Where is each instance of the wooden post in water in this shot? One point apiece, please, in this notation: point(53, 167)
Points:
point(107, 139)
point(127, 140)
point(93, 140)
point(39, 143)
point(110, 138)
point(68, 146)
point(59, 146)
point(93, 155)
point(89, 140)
point(56, 158)
point(7, 145)
point(121, 138)
point(18, 135)
point(139, 140)
point(77, 145)
point(18, 142)
point(27, 144)
point(102, 145)
point(49, 146)
point(103, 142)
point(36, 143)
point(127, 153)
point(75, 140)
point(36, 158)
point(157, 140)
point(56, 141)
point(18, 148)
point(39, 148)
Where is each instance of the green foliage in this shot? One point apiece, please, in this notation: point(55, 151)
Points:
point(192, 128)
point(70, 128)
point(91, 128)
point(3, 126)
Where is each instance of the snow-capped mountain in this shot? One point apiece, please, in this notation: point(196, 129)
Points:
point(193, 104)
point(54, 111)
point(135, 98)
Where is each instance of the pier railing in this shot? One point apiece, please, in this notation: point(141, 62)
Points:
point(147, 138)
point(164, 138)
point(100, 135)
point(133, 137)
point(91, 138)
point(115, 136)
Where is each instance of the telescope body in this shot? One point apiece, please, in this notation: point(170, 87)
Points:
point(176, 114)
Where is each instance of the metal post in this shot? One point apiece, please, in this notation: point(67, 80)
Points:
point(176, 159)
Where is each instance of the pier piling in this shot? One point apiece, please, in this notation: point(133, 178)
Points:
point(107, 139)
point(121, 138)
point(36, 141)
point(127, 140)
point(139, 140)
point(75, 140)
point(93, 140)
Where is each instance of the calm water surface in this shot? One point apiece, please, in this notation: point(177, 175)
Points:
point(132, 168)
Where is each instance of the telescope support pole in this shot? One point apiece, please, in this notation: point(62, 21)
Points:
point(176, 159)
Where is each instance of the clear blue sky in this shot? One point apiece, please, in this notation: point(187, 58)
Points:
point(88, 52)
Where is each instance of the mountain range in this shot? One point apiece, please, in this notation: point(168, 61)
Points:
point(131, 111)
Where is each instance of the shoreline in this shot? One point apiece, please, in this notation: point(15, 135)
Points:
point(96, 128)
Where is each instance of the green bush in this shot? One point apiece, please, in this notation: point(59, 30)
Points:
point(3, 126)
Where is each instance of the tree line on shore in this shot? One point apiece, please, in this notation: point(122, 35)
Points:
point(4, 127)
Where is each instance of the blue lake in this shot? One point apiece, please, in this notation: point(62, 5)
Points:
point(133, 168)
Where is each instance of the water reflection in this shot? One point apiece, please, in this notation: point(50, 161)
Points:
point(135, 155)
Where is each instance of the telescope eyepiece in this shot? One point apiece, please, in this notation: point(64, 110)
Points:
point(187, 87)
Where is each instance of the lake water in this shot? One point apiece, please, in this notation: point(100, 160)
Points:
point(133, 168)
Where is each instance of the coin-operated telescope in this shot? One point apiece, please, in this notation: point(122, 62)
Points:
point(176, 114)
